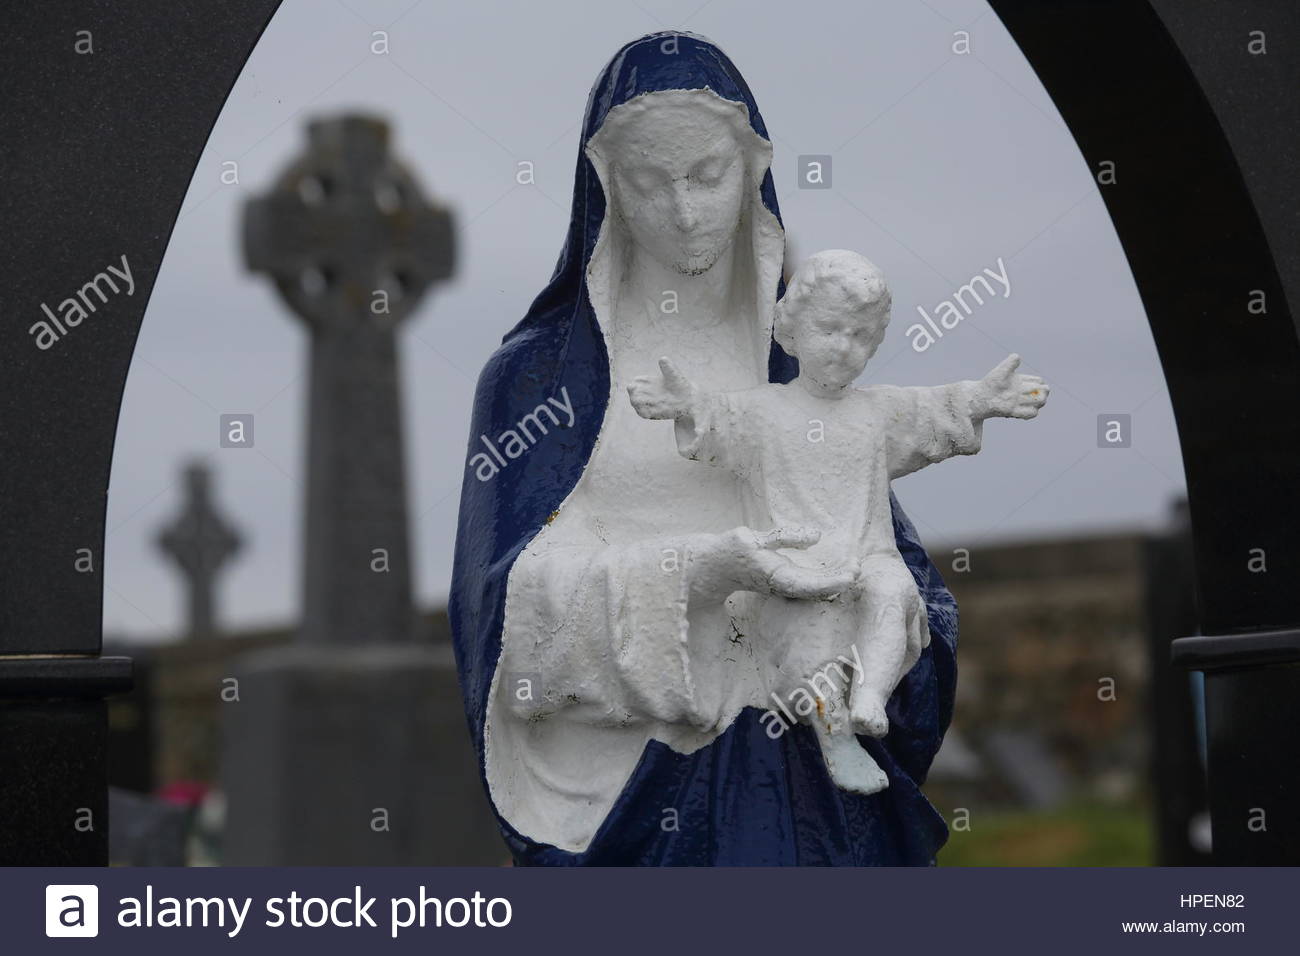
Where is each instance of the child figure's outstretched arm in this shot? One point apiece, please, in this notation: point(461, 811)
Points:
point(1004, 394)
point(670, 396)
point(709, 426)
point(927, 425)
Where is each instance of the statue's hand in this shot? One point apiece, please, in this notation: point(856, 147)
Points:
point(1005, 394)
point(746, 560)
point(671, 395)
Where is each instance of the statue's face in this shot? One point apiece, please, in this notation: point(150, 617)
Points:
point(679, 179)
point(835, 344)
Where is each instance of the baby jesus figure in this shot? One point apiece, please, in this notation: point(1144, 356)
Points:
point(818, 455)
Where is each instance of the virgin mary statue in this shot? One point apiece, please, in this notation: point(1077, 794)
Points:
point(604, 592)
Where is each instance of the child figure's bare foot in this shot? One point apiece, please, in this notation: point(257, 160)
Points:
point(867, 714)
point(850, 766)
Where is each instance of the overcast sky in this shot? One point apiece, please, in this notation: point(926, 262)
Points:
point(942, 164)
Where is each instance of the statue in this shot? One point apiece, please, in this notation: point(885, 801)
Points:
point(608, 595)
point(820, 454)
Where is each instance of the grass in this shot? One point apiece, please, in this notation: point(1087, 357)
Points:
point(1078, 834)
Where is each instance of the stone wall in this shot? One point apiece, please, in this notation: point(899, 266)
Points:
point(1052, 663)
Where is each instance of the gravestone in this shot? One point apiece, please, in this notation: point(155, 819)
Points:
point(348, 746)
point(352, 246)
point(200, 542)
point(145, 831)
point(1026, 762)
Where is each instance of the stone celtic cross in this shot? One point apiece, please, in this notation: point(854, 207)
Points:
point(200, 542)
point(352, 245)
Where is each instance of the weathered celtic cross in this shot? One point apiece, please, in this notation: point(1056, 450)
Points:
point(352, 246)
point(200, 542)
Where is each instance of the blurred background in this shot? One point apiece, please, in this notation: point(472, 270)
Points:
point(941, 157)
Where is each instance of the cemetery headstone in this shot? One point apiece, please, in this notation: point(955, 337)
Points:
point(1025, 761)
point(348, 745)
point(199, 541)
point(146, 831)
point(352, 246)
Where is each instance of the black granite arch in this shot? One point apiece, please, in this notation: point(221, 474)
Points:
point(96, 154)
point(1205, 138)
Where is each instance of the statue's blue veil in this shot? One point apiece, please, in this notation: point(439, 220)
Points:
point(558, 346)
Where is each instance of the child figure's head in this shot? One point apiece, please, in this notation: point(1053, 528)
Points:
point(832, 317)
